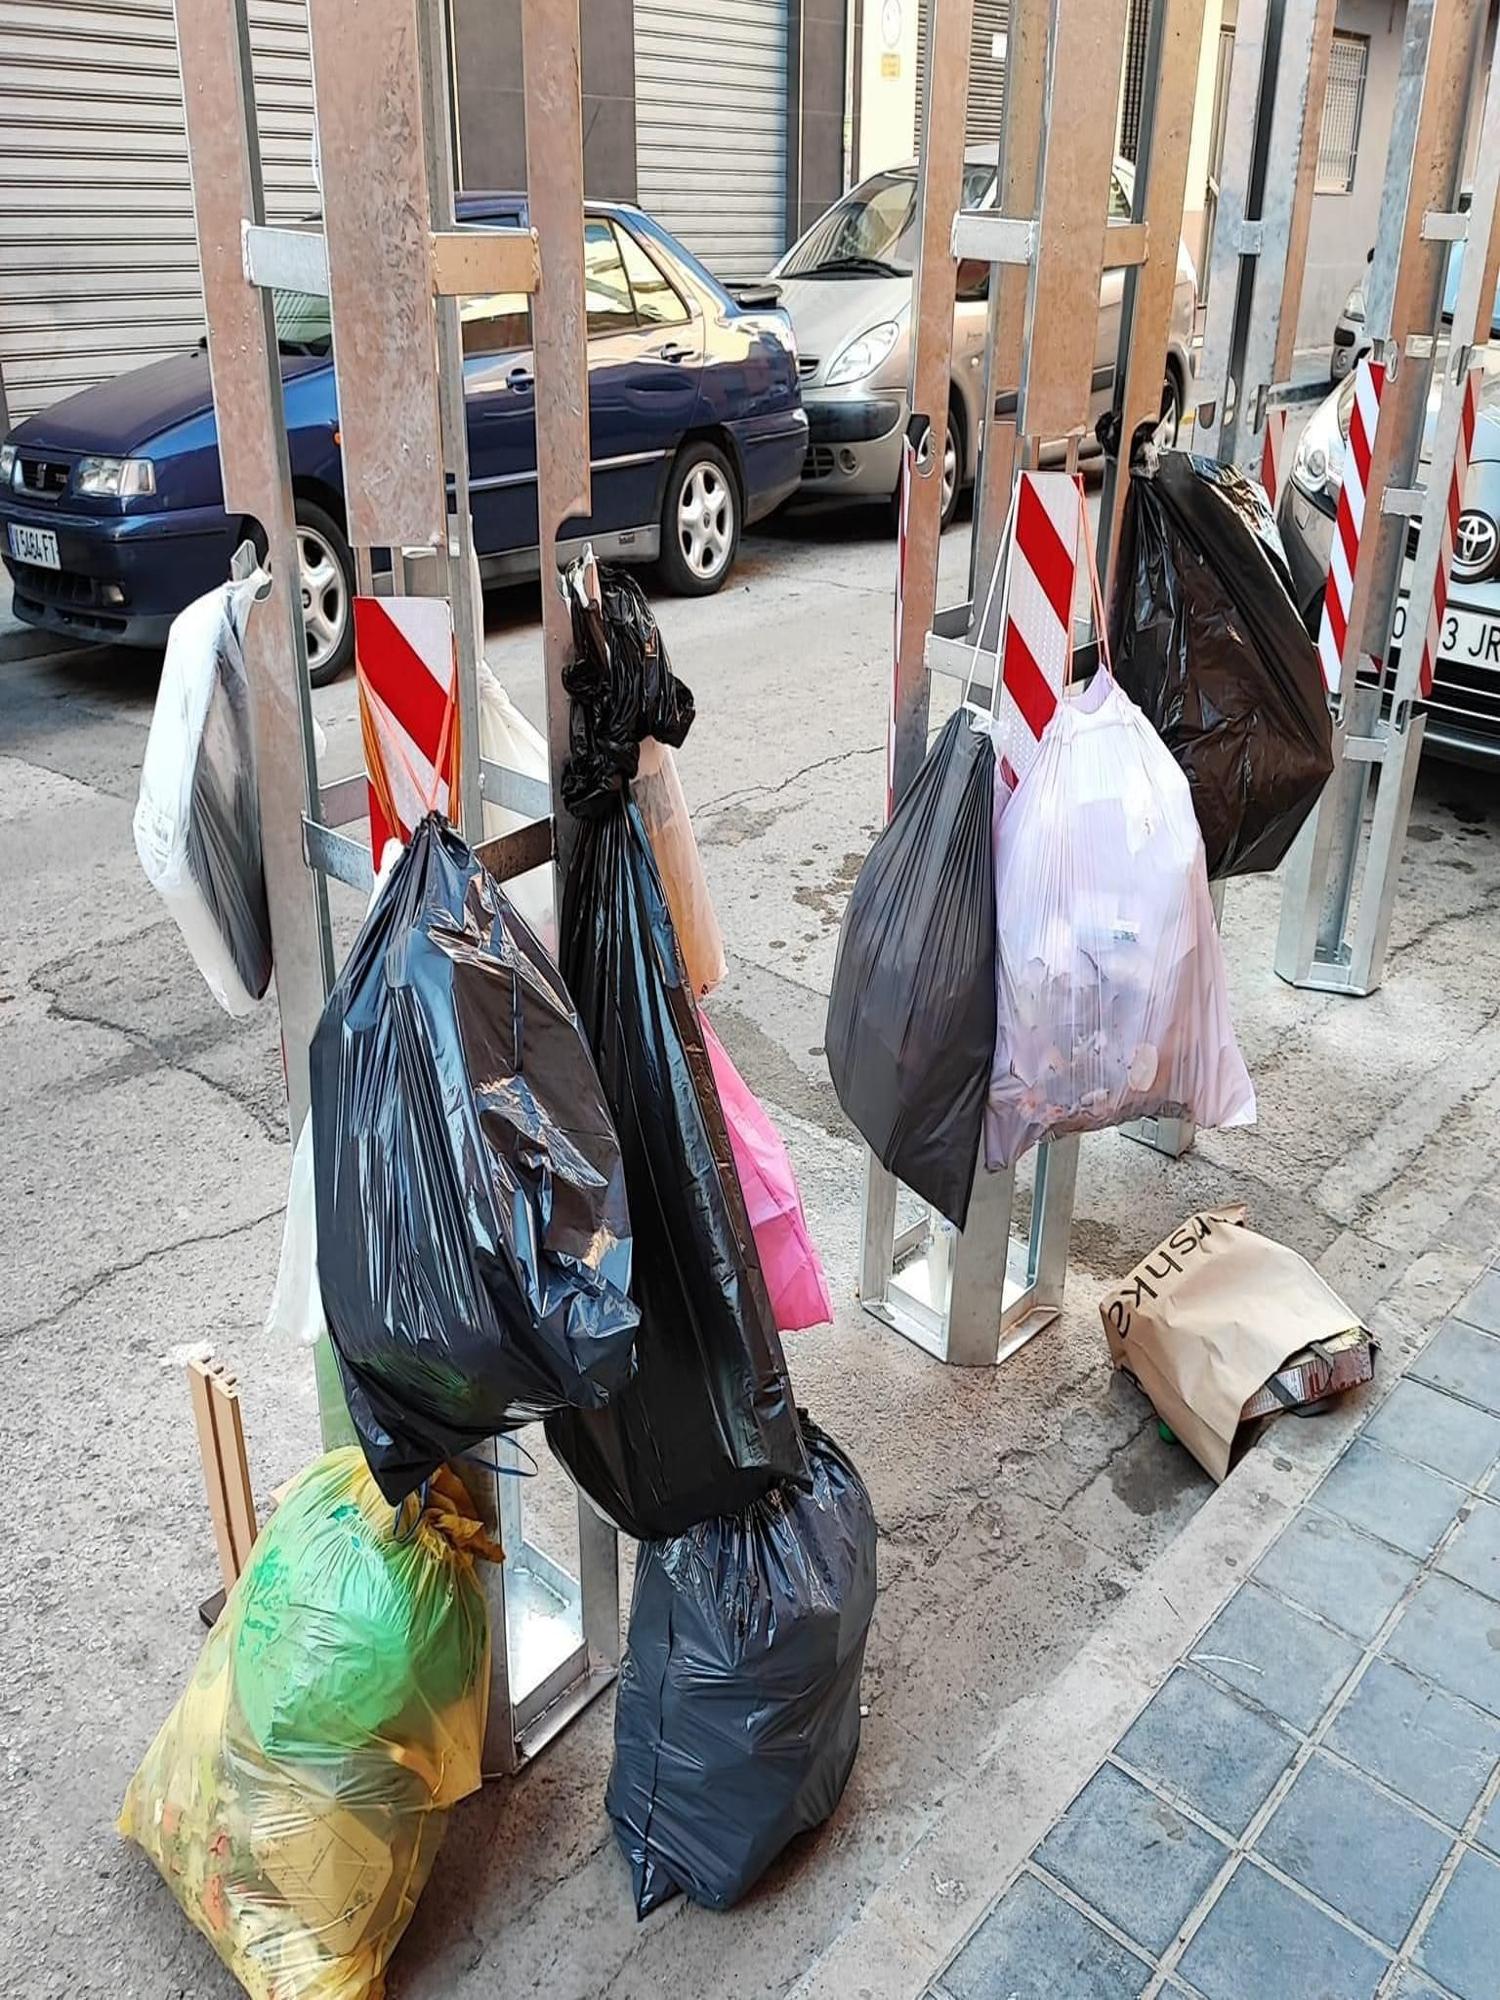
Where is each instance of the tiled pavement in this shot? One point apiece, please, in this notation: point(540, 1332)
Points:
point(1309, 1806)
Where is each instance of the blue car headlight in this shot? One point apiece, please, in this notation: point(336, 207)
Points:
point(115, 478)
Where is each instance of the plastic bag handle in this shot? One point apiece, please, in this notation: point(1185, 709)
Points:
point(1101, 629)
point(1001, 552)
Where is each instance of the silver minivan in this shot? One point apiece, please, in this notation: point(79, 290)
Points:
point(847, 284)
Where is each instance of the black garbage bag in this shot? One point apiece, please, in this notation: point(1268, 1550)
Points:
point(911, 1016)
point(474, 1243)
point(737, 1710)
point(1207, 640)
point(708, 1423)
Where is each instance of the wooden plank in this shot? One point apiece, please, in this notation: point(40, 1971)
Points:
point(199, 1377)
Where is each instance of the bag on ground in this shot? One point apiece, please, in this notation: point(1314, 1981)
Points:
point(790, 1264)
point(294, 1799)
point(911, 1015)
point(737, 1712)
point(474, 1243)
point(1112, 1000)
point(708, 1422)
point(1208, 642)
point(197, 818)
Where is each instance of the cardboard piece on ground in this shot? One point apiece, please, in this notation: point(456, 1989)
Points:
point(1208, 1318)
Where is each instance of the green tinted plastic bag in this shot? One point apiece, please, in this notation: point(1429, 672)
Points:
point(293, 1800)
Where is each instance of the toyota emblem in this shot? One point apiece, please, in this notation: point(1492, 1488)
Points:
point(1474, 543)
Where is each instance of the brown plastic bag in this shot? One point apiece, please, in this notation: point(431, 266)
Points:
point(1208, 1318)
point(657, 791)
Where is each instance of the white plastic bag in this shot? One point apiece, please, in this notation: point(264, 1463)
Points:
point(197, 819)
point(1112, 1001)
point(657, 791)
point(508, 739)
point(296, 1308)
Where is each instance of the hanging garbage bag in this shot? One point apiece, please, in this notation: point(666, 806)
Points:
point(790, 1264)
point(657, 791)
point(473, 1240)
point(294, 1799)
point(1112, 997)
point(197, 819)
point(737, 1710)
point(708, 1422)
point(506, 738)
point(911, 1015)
point(1208, 642)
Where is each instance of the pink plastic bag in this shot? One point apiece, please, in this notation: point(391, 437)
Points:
point(793, 1274)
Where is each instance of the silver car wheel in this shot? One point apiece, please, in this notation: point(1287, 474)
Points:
point(1169, 424)
point(950, 469)
point(705, 520)
point(325, 597)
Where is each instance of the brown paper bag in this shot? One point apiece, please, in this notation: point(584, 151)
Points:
point(1208, 1318)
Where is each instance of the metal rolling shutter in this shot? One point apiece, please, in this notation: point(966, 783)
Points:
point(98, 261)
point(986, 72)
point(711, 127)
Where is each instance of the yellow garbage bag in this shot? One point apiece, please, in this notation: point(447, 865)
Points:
point(294, 1799)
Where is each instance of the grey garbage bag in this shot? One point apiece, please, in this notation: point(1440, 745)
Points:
point(737, 1713)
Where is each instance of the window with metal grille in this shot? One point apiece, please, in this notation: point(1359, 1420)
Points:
point(1343, 109)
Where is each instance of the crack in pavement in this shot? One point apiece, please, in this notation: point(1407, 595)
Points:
point(743, 797)
point(129, 1264)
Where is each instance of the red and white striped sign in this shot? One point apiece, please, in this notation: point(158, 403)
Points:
point(1271, 449)
point(1338, 593)
point(1037, 643)
point(1450, 530)
point(408, 694)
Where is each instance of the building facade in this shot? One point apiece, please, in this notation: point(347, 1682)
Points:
point(735, 121)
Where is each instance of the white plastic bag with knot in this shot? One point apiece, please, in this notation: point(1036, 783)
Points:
point(1112, 1000)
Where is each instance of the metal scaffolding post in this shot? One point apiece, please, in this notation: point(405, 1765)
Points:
point(973, 1297)
point(1277, 76)
point(394, 267)
point(1335, 917)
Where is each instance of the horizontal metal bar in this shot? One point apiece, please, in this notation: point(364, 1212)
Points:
point(469, 262)
point(994, 239)
point(335, 854)
point(955, 657)
point(1367, 749)
point(1126, 243)
point(952, 621)
point(345, 799)
point(291, 260)
point(1295, 395)
point(514, 790)
point(1251, 240)
point(1445, 225)
point(519, 852)
point(1401, 500)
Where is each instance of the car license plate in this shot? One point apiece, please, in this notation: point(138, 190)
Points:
point(1467, 636)
point(33, 545)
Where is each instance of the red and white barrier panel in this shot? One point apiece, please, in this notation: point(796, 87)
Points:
point(408, 696)
point(1272, 446)
point(1450, 530)
point(1338, 594)
point(1037, 643)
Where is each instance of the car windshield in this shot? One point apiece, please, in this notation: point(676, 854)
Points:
point(302, 322)
point(872, 232)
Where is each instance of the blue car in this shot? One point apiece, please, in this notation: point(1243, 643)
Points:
point(111, 502)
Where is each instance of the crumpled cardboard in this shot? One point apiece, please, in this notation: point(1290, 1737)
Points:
point(1205, 1321)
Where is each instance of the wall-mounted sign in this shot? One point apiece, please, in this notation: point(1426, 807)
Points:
point(890, 64)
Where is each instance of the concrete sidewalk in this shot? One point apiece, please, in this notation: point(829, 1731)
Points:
point(1308, 1804)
